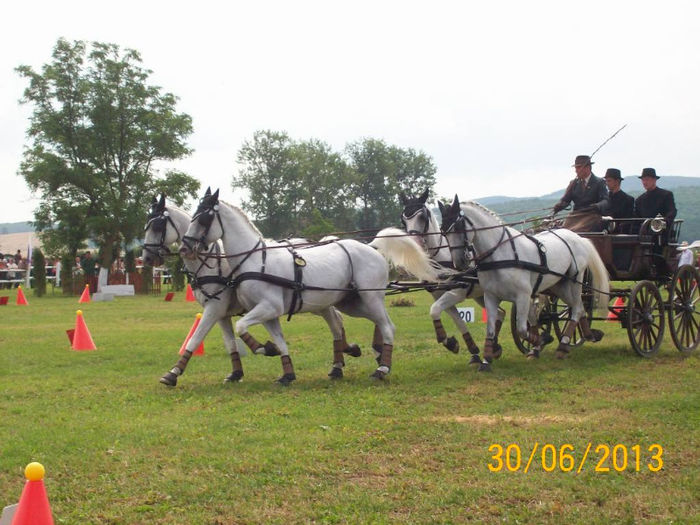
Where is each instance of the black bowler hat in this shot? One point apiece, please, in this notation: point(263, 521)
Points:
point(649, 172)
point(582, 160)
point(613, 173)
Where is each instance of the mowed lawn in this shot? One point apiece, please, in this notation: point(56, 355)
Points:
point(119, 447)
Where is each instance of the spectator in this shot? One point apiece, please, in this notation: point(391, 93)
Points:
point(686, 254)
point(18, 257)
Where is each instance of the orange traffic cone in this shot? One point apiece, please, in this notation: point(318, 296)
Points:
point(85, 298)
point(82, 340)
point(484, 315)
point(189, 296)
point(21, 299)
point(200, 348)
point(33, 507)
point(616, 309)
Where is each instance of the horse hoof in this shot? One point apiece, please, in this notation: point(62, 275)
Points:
point(286, 379)
point(271, 349)
point(353, 350)
point(452, 345)
point(562, 353)
point(169, 379)
point(596, 335)
point(533, 354)
point(546, 338)
point(497, 350)
point(234, 377)
point(485, 367)
point(335, 373)
point(475, 360)
point(380, 373)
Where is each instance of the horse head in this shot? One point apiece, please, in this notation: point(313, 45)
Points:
point(159, 233)
point(456, 230)
point(415, 216)
point(203, 229)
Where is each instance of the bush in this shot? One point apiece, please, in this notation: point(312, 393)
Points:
point(174, 265)
point(39, 272)
point(403, 301)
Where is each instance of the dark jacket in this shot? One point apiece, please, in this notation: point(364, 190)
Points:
point(656, 202)
point(595, 194)
point(621, 206)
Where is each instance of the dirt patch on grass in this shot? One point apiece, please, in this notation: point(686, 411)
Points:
point(534, 420)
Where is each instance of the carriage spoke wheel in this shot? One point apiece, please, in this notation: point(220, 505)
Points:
point(684, 309)
point(646, 321)
point(544, 324)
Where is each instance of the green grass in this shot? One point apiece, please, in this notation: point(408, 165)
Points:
point(118, 447)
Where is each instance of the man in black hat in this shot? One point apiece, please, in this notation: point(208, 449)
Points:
point(655, 201)
point(589, 195)
point(620, 205)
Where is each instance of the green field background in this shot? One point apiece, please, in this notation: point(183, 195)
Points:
point(119, 447)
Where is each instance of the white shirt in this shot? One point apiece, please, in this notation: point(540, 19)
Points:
point(686, 257)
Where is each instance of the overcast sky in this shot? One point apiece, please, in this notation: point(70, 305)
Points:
point(502, 95)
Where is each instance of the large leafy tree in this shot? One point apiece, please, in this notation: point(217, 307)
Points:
point(97, 132)
point(269, 175)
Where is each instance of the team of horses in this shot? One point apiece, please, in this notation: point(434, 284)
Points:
point(235, 271)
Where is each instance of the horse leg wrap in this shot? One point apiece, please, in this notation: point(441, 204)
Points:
point(338, 349)
point(386, 355)
point(170, 378)
point(590, 334)
point(182, 362)
point(471, 345)
point(250, 342)
point(377, 343)
point(237, 369)
point(439, 330)
point(287, 371)
point(565, 342)
point(534, 336)
point(488, 350)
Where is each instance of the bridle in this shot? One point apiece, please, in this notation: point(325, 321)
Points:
point(205, 217)
point(423, 212)
point(158, 222)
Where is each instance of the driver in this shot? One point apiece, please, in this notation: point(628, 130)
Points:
point(589, 195)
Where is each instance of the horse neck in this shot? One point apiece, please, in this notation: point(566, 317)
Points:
point(487, 234)
point(239, 236)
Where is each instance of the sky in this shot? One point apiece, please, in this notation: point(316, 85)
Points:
point(502, 95)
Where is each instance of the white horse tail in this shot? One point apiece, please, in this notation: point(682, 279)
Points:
point(402, 251)
point(601, 280)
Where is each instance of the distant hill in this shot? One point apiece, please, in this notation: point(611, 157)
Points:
point(15, 227)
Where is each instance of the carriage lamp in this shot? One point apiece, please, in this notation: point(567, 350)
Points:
point(657, 224)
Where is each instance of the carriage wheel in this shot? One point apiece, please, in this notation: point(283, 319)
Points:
point(646, 321)
point(544, 324)
point(683, 313)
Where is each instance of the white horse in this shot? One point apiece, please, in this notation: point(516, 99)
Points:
point(269, 282)
point(421, 224)
point(515, 267)
point(210, 271)
point(166, 225)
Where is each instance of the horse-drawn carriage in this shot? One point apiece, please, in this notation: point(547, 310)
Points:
point(649, 290)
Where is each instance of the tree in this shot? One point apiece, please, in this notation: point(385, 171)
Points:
point(269, 174)
point(97, 131)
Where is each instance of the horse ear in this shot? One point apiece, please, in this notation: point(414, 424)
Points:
point(154, 201)
point(161, 202)
point(208, 192)
point(455, 203)
point(402, 198)
point(442, 207)
point(215, 195)
point(424, 196)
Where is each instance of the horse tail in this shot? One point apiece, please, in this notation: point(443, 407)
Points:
point(601, 280)
point(402, 251)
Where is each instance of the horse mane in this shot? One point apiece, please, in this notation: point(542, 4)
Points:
point(243, 215)
point(484, 209)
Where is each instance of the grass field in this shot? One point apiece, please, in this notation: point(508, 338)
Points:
point(119, 447)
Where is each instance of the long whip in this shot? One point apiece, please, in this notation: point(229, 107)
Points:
point(608, 140)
